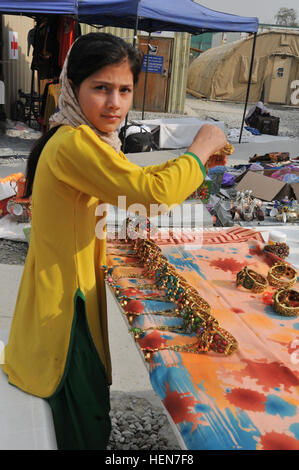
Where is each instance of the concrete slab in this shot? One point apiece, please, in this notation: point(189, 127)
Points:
point(246, 150)
point(242, 152)
point(10, 276)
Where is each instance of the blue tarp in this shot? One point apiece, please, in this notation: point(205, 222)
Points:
point(164, 15)
point(153, 15)
point(64, 7)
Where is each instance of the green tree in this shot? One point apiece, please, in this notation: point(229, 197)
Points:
point(286, 17)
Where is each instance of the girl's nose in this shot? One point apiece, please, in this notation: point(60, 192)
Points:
point(114, 99)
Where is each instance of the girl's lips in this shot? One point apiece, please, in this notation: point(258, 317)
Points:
point(107, 116)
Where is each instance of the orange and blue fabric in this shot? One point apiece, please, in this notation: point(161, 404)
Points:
point(246, 401)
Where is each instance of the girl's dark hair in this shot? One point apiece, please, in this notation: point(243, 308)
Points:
point(96, 50)
point(89, 54)
point(33, 159)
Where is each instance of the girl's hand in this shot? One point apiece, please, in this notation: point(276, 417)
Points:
point(208, 141)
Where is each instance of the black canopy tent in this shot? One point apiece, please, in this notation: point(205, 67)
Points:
point(145, 15)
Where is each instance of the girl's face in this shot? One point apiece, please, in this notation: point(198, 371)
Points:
point(105, 96)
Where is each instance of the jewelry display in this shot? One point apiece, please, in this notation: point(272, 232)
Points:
point(286, 302)
point(203, 192)
point(137, 227)
point(246, 207)
point(252, 280)
point(279, 249)
point(282, 275)
point(286, 210)
point(193, 309)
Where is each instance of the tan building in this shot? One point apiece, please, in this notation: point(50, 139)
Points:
point(222, 73)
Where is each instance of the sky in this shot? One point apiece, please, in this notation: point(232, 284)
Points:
point(264, 10)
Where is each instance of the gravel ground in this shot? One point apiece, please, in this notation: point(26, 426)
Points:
point(136, 423)
point(232, 114)
point(13, 252)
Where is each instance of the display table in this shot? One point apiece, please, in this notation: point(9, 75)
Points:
point(176, 133)
point(244, 401)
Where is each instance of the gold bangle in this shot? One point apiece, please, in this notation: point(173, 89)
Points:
point(251, 280)
point(282, 275)
point(228, 149)
point(286, 302)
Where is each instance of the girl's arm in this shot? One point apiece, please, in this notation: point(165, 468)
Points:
point(78, 158)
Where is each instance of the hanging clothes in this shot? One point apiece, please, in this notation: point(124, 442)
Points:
point(46, 48)
point(66, 35)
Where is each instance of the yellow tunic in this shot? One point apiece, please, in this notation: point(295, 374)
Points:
point(77, 171)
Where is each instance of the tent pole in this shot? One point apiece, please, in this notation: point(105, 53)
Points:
point(146, 75)
point(126, 120)
point(248, 86)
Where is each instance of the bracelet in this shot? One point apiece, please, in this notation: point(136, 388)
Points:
point(282, 275)
point(228, 149)
point(251, 280)
point(279, 249)
point(286, 302)
point(194, 310)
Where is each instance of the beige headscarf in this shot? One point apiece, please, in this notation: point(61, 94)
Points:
point(71, 114)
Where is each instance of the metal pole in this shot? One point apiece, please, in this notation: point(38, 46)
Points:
point(146, 75)
point(126, 120)
point(249, 83)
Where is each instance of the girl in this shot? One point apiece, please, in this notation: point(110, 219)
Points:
point(58, 346)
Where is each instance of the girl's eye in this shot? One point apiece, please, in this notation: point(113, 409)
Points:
point(126, 90)
point(101, 87)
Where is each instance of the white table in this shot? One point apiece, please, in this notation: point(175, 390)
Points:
point(177, 132)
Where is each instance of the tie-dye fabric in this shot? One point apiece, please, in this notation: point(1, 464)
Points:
point(249, 400)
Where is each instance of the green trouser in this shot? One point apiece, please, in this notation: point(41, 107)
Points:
point(81, 404)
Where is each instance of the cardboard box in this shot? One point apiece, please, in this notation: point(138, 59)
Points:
point(267, 188)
